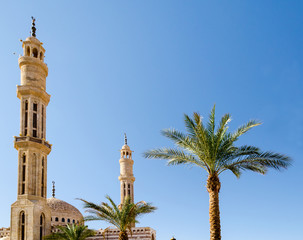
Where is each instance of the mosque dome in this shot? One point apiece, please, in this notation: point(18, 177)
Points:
point(125, 147)
point(63, 213)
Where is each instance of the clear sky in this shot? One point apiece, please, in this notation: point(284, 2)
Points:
point(137, 66)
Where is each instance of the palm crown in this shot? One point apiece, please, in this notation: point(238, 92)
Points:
point(71, 232)
point(214, 150)
point(122, 217)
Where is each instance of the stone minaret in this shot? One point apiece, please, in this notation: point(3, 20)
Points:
point(126, 173)
point(30, 215)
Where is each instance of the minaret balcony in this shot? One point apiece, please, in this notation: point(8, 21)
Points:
point(27, 60)
point(32, 141)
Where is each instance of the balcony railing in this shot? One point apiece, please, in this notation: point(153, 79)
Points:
point(32, 139)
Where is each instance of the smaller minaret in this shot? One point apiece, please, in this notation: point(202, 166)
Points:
point(126, 172)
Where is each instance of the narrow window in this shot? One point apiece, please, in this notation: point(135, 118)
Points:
point(42, 178)
point(68, 220)
point(73, 220)
point(41, 226)
point(22, 221)
point(23, 174)
point(35, 116)
point(128, 189)
point(42, 122)
point(124, 190)
point(41, 56)
point(25, 117)
point(28, 51)
point(35, 52)
point(63, 219)
point(56, 219)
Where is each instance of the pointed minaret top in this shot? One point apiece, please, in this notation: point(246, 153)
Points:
point(33, 32)
point(53, 188)
point(125, 138)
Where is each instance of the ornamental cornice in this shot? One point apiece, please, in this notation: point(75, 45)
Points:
point(23, 90)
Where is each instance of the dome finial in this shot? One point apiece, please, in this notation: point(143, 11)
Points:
point(125, 138)
point(33, 32)
point(53, 188)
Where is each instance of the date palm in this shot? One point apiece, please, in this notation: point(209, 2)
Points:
point(122, 217)
point(71, 232)
point(213, 149)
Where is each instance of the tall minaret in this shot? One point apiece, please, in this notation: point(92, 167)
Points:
point(30, 215)
point(126, 173)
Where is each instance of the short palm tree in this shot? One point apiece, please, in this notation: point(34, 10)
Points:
point(71, 232)
point(213, 149)
point(122, 217)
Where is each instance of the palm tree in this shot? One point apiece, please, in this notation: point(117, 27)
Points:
point(122, 217)
point(71, 232)
point(213, 149)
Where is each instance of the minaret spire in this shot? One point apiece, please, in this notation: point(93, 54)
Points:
point(33, 32)
point(54, 189)
point(125, 139)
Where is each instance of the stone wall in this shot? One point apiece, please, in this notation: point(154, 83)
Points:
point(4, 232)
point(138, 233)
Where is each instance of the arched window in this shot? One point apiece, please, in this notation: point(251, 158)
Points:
point(128, 189)
point(57, 219)
point(23, 174)
point(35, 52)
point(41, 55)
point(28, 51)
point(42, 122)
point(33, 189)
point(68, 220)
point(63, 219)
point(124, 189)
point(22, 226)
point(35, 119)
point(25, 117)
point(42, 178)
point(42, 220)
point(73, 220)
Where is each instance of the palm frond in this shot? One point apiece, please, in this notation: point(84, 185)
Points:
point(259, 162)
point(174, 157)
point(245, 128)
point(180, 139)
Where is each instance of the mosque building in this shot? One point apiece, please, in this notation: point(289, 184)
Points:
point(33, 215)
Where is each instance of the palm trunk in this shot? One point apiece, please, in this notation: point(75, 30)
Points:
point(213, 188)
point(123, 235)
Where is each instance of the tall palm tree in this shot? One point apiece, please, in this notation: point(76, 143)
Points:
point(71, 232)
point(122, 217)
point(213, 149)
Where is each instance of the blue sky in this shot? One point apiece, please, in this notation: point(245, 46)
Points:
point(137, 67)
